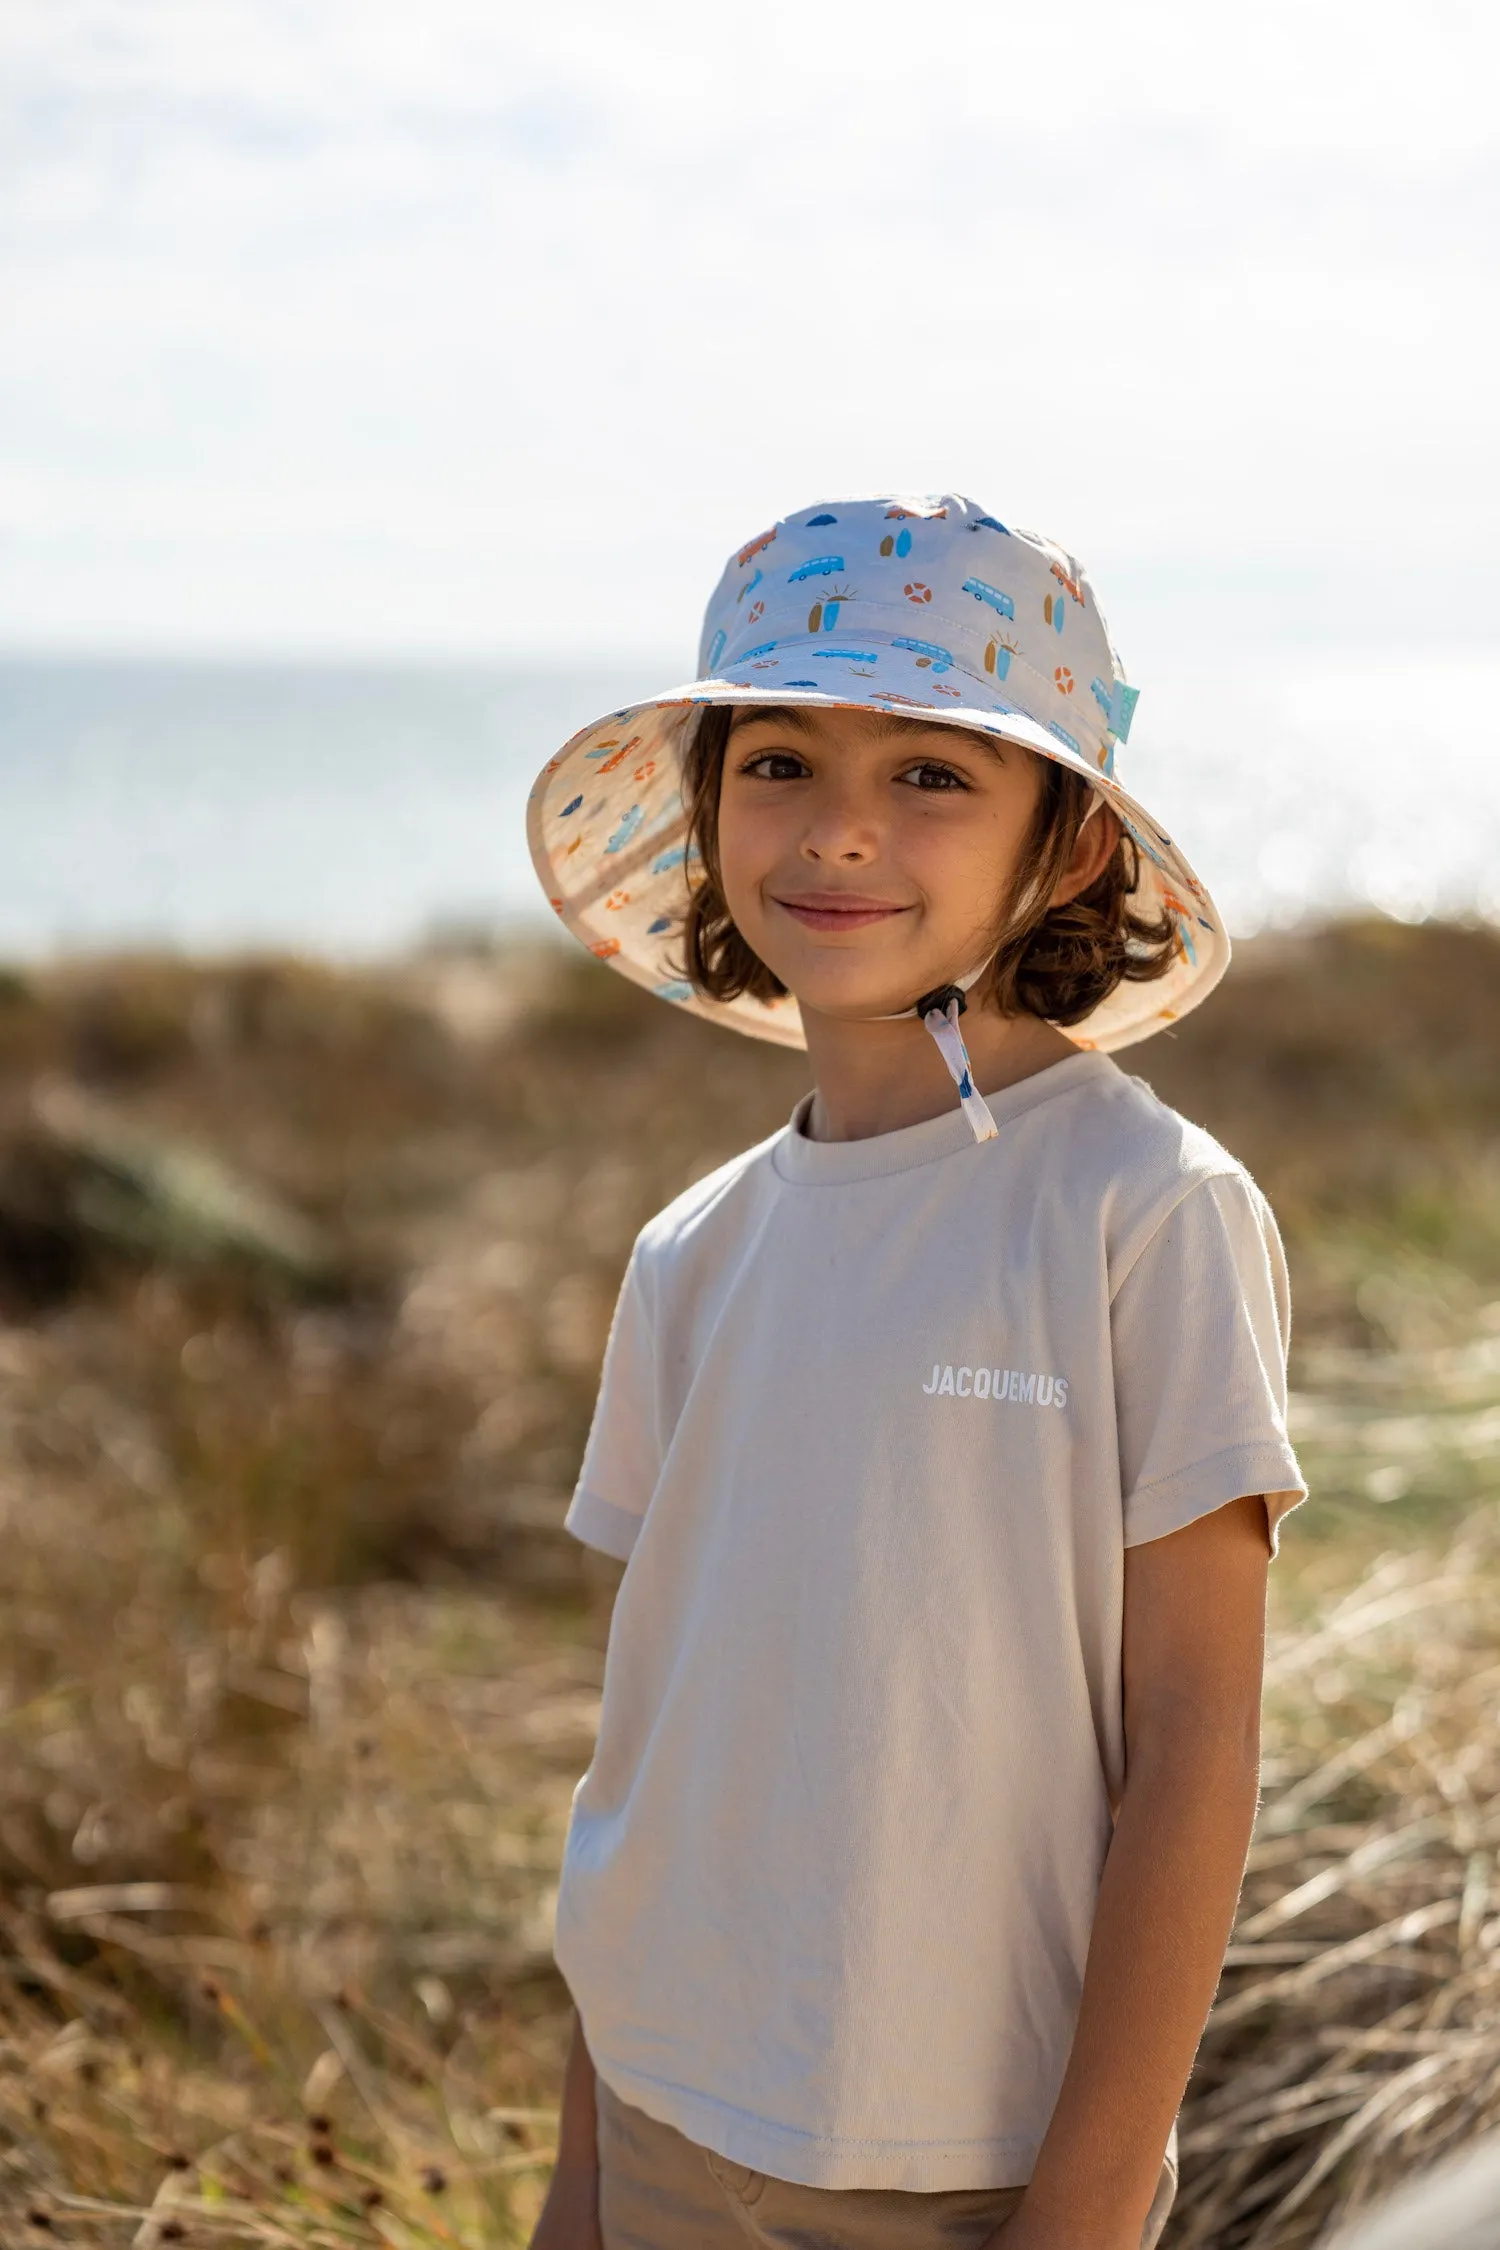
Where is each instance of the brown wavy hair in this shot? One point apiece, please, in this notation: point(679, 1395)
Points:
point(1057, 962)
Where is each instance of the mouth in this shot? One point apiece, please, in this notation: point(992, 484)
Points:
point(838, 910)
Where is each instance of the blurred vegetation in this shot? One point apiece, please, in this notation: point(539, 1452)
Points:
point(304, 1279)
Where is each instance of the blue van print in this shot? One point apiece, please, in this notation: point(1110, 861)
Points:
point(1000, 603)
point(988, 523)
point(928, 652)
point(815, 523)
point(1063, 736)
point(1142, 843)
point(716, 647)
point(677, 990)
point(821, 566)
point(849, 655)
point(626, 830)
point(764, 649)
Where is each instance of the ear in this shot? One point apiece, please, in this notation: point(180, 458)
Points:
point(1092, 849)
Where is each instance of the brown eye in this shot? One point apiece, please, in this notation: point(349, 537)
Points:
point(930, 775)
point(776, 765)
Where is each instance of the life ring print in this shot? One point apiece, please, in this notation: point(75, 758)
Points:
point(1064, 679)
point(916, 592)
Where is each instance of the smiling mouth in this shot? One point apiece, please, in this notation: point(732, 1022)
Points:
point(845, 910)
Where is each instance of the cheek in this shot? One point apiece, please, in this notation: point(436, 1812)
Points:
point(749, 841)
point(963, 859)
point(962, 852)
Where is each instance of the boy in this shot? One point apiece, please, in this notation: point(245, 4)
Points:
point(945, 1448)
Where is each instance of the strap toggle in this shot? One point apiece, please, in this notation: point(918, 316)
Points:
point(940, 1011)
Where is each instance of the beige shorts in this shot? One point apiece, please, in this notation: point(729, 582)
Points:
point(660, 2191)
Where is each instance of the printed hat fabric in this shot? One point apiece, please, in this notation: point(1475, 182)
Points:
point(930, 608)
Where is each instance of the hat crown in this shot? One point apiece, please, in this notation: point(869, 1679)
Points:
point(942, 584)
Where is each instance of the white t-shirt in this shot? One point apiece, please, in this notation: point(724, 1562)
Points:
point(879, 1419)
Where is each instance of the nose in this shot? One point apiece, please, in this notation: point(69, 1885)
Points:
point(841, 829)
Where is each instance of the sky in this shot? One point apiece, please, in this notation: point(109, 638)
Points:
point(477, 330)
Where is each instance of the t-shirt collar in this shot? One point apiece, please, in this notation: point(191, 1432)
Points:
point(816, 1163)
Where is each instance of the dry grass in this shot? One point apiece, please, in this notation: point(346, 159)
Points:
point(347, 2028)
point(1354, 2038)
point(296, 1676)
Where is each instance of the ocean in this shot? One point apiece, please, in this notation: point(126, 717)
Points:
point(356, 810)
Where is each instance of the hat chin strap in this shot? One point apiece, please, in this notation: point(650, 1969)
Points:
point(939, 1011)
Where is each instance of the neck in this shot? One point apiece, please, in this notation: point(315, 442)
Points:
point(874, 1077)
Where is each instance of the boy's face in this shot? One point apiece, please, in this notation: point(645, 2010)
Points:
point(866, 858)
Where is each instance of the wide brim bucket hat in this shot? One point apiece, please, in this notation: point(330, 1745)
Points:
point(931, 608)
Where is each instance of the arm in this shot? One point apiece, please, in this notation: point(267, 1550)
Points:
point(1193, 1644)
point(570, 2215)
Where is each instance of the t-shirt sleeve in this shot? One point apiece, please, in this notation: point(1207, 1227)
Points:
point(622, 1459)
point(1200, 1326)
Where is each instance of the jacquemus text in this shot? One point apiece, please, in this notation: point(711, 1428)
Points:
point(998, 1383)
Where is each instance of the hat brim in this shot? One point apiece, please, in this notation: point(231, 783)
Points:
point(607, 829)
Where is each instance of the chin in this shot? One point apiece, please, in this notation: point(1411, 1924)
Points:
point(845, 1006)
point(851, 984)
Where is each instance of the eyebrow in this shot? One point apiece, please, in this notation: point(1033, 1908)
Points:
point(803, 720)
point(774, 714)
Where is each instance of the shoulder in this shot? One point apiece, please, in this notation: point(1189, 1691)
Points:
point(705, 1214)
point(1148, 1160)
